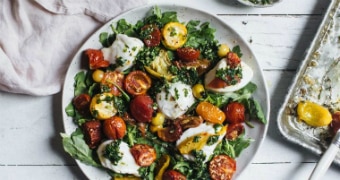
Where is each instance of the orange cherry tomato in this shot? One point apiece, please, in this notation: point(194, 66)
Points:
point(210, 112)
point(137, 83)
point(110, 81)
point(234, 130)
point(96, 59)
point(222, 167)
point(187, 54)
point(114, 127)
point(143, 154)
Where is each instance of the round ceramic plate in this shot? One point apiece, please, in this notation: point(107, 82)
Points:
point(224, 33)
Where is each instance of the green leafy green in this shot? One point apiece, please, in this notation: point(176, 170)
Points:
point(112, 152)
point(76, 146)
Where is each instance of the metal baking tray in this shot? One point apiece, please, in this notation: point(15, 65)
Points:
point(316, 80)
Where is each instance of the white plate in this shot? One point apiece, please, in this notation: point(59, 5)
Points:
point(225, 34)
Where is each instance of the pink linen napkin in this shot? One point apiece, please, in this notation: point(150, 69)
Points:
point(38, 39)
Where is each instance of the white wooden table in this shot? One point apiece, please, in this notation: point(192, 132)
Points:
point(30, 144)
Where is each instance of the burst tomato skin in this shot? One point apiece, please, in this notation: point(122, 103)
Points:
point(222, 167)
point(111, 80)
point(187, 54)
point(234, 112)
point(234, 130)
point(114, 127)
point(82, 103)
point(141, 108)
point(137, 83)
point(151, 35)
point(143, 154)
point(96, 59)
point(173, 175)
point(92, 133)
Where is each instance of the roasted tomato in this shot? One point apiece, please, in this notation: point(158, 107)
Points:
point(174, 35)
point(234, 130)
point(96, 59)
point(137, 83)
point(114, 127)
point(233, 60)
point(82, 104)
point(210, 112)
point(335, 124)
point(151, 35)
point(170, 133)
point(92, 133)
point(141, 108)
point(143, 154)
point(234, 112)
point(173, 175)
point(110, 81)
point(188, 54)
point(222, 167)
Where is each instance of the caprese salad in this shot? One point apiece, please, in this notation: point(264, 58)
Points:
point(162, 99)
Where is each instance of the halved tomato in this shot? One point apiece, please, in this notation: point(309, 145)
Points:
point(110, 81)
point(151, 35)
point(96, 59)
point(188, 54)
point(222, 166)
point(137, 83)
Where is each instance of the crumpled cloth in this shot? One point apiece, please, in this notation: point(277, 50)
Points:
point(38, 39)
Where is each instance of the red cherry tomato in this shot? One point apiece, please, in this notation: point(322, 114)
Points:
point(234, 130)
point(173, 175)
point(151, 35)
point(110, 81)
point(92, 133)
point(335, 124)
point(82, 104)
point(143, 154)
point(141, 108)
point(233, 60)
point(137, 83)
point(114, 127)
point(222, 167)
point(96, 59)
point(188, 54)
point(234, 112)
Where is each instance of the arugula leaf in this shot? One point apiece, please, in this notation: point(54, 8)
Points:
point(237, 50)
point(80, 84)
point(76, 146)
point(255, 110)
point(233, 148)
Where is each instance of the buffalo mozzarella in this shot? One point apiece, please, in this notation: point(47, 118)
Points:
point(124, 48)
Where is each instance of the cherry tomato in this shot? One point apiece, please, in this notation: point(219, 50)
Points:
point(143, 154)
point(92, 133)
point(98, 75)
point(137, 83)
point(234, 130)
point(335, 124)
point(141, 108)
point(170, 133)
point(173, 175)
point(233, 60)
point(151, 35)
point(82, 103)
point(96, 59)
point(110, 81)
point(188, 54)
point(217, 83)
point(114, 127)
point(210, 112)
point(234, 112)
point(222, 167)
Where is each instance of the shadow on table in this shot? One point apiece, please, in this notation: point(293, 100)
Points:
point(287, 78)
point(56, 141)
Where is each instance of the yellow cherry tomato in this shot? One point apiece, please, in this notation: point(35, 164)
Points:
point(161, 166)
point(174, 35)
point(210, 112)
point(198, 90)
point(158, 119)
point(98, 75)
point(223, 50)
point(155, 128)
point(102, 106)
point(313, 114)
point(195, 142)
